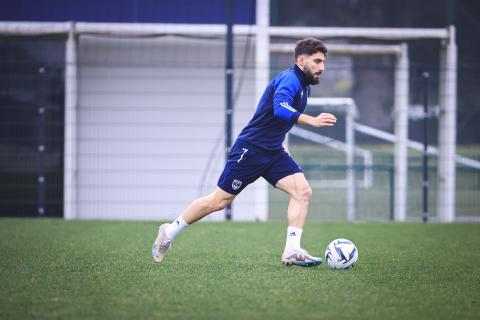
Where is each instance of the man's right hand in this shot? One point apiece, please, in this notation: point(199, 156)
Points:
point(322, 120)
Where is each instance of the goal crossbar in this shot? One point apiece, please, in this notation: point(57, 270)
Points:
point(149, 29)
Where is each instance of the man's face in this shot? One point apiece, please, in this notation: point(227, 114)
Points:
point(312, 66)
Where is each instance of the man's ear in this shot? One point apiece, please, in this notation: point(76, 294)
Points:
point(301, 61)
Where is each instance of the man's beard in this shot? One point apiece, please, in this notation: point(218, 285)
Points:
point(310, 76)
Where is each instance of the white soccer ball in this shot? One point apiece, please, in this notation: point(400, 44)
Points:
point(341, 254)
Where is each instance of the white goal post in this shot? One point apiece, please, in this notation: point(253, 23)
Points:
point(347, 106)
point(401, 94)
point(263, 34)
point(448, 98)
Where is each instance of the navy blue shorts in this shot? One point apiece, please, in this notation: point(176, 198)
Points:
point(247, 163)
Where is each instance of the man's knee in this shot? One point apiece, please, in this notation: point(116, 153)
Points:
point(304, 193)
point(218, 203)
point(221, 204)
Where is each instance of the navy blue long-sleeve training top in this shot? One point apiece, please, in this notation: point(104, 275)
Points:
point(284, 99)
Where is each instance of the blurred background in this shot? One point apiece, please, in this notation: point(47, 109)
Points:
point(116, 109)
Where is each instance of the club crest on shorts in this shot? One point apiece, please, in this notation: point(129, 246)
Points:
point(236, 184)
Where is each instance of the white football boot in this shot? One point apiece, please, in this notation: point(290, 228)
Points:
point(161, 245)
point(299, 257)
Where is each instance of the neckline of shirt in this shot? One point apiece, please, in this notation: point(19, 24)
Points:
point(300, 74)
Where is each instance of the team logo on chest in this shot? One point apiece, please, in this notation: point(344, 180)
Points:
point(236, 184)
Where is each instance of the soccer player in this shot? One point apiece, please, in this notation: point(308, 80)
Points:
point(259, 152)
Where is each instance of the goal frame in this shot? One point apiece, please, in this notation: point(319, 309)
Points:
point(264, 33)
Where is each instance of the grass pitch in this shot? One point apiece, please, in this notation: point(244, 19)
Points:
point(56, 269)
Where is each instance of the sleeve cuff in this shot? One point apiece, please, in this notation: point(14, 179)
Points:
point(295, 116)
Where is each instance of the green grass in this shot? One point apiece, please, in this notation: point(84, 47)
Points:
point(56, 269)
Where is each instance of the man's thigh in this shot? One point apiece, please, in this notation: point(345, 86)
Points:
point(282, 167)
point(293, 184)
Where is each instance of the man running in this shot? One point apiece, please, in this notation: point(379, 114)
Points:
point(259, 152)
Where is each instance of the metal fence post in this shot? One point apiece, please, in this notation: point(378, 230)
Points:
point(41, 108)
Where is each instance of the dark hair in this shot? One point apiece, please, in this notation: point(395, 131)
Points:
point(309, 46)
